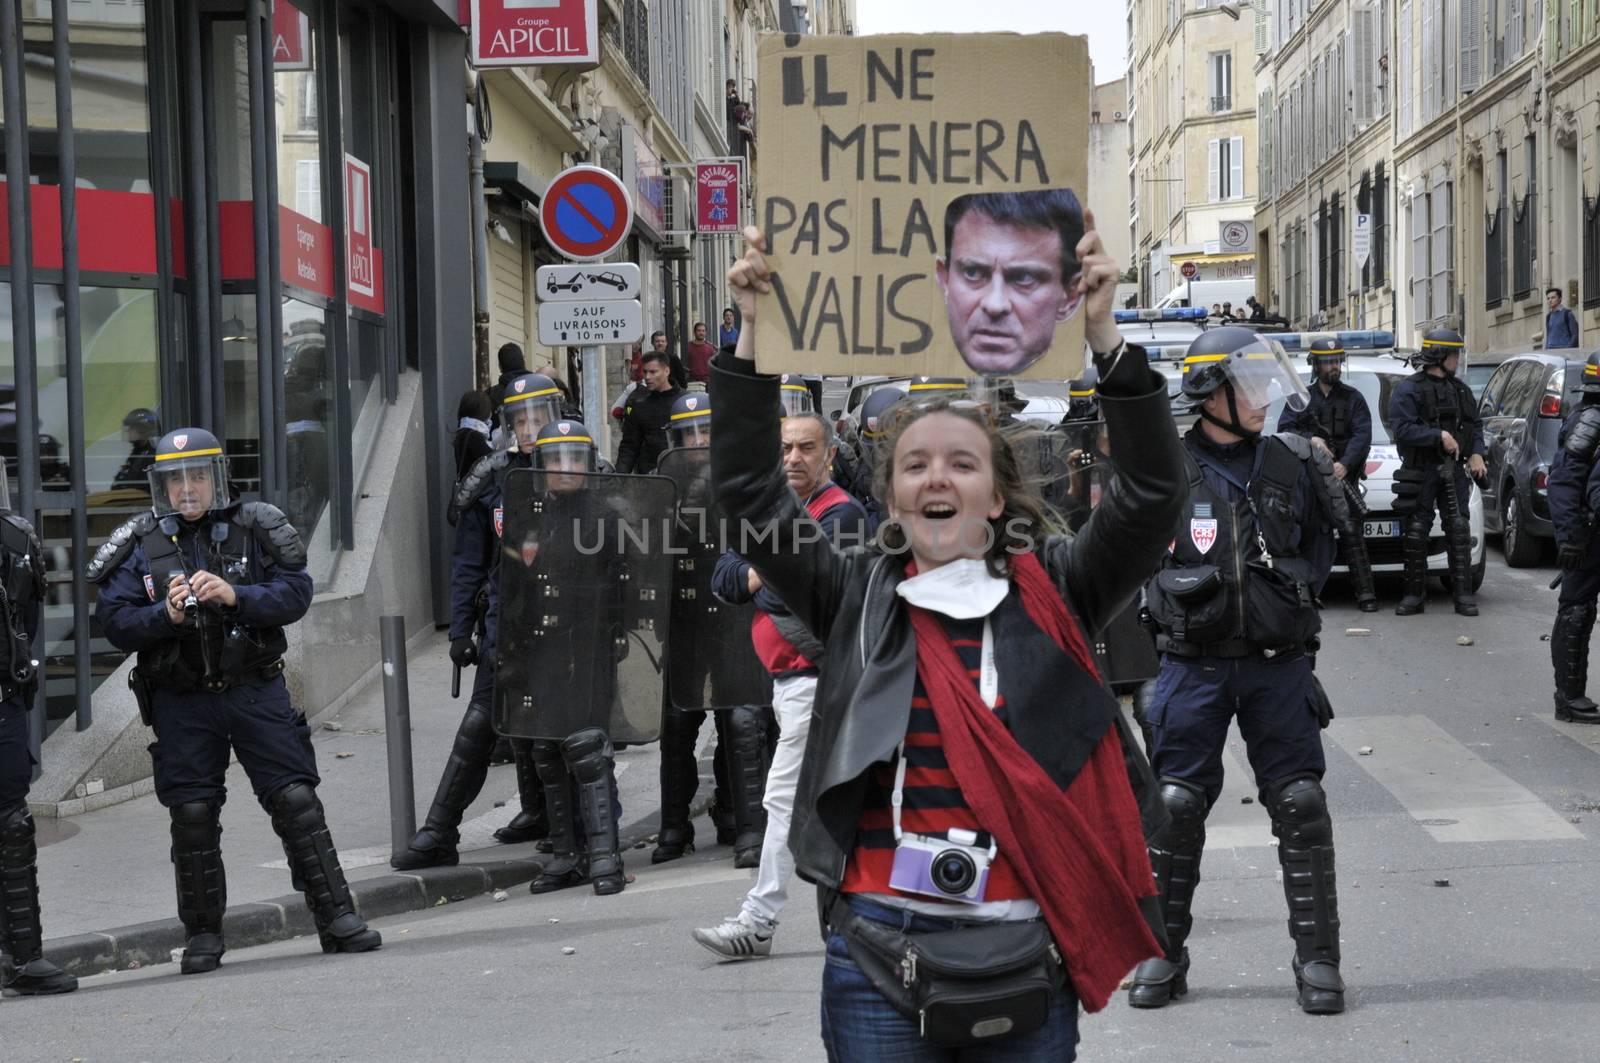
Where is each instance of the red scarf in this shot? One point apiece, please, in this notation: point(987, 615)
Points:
point(1080, 851)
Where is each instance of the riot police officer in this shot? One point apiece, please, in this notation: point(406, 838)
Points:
point(873, 419)
point(1339, 423)
point(1434, 419)
point(201, 585)
point(140, 429)
point(27, 973)
point(1574, 493)
point(529, 402)
point(585, 843)
point(1235, 607)
point(740, 757)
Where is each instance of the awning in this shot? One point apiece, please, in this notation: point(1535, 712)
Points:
point(515, 180)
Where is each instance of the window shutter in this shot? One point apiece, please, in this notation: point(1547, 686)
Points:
point(1213, 172)
point(1403, 94)
point(1261, 29)
point(1471, 45)
point(1441, 248)
point(1420, 270)
point(1236, 168)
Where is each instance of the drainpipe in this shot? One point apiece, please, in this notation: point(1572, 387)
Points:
point(480, 253)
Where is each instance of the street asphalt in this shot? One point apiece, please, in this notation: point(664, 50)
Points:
point(1465, 817)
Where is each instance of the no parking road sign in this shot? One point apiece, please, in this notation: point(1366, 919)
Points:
point(586, 213)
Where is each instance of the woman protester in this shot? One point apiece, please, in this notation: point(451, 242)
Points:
point(965, 805)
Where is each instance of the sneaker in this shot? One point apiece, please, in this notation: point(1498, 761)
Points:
point(736, 939)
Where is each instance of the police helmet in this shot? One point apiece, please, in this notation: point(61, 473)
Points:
point(795, 394)
point(531, 401)
point(1083, 398)
point(564, 446)
point(1254, 366)
point(874, 415)
point(1323, 351)
point(142, 423)
point(1439, 344)
point(1591, 376)
point(925, 386)
point(189, 475)
point(689, 424)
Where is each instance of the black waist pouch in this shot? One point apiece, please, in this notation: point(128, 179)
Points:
point(963, 987)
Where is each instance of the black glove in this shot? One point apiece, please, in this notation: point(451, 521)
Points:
point(1570, 556)
point(463, 652)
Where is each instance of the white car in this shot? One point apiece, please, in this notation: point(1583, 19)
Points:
point(1375, 376)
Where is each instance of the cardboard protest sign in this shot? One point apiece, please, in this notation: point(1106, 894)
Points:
point(921, 199)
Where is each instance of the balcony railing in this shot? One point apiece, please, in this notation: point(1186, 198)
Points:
point(1221, 104)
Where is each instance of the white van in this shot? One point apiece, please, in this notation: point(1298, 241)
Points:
point(1205, 293)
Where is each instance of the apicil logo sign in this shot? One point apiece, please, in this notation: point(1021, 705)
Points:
point(534, 32)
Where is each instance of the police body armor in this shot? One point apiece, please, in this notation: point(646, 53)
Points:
point(585, 603)
point(1236, 580)
point(1333, 421)
point(213, 651)
point(22, 585)
point(1444, 406)
point(714, 663)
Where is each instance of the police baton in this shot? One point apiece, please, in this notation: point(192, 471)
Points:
point(1557, 581)
point(455, 681)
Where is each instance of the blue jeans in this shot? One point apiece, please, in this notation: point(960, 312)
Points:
point(859, 1024)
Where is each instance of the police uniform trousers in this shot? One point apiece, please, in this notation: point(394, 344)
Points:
point(16, 759)
point(1273, 698)
point(27, 973)
point(254, 717)
point(1431, 496)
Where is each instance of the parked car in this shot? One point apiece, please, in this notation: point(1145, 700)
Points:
point(1522, 406)
point(1376, 374)
point(1479, 368)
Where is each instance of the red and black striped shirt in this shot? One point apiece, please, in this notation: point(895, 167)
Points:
point(931, 800)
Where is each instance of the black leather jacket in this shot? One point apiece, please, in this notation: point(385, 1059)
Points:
point(847, 597)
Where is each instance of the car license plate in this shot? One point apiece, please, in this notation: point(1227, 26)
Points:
point(1380, 529)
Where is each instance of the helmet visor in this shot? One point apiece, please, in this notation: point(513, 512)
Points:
point(1261, 374)
point(525, 417)
point(690, 432)
point(573, 456)
point(189, 487)
point(796, 398)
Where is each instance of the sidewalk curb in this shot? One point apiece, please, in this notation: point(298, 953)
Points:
point(281, 918)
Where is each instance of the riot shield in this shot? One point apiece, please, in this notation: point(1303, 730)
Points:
point(714, 664)
point(585, 597)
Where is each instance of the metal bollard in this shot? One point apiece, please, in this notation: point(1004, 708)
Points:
point(397, 732)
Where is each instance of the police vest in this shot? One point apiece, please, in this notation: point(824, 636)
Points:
point(1445, 404)
point(1236, 580)
point(21, 591)
point(1332, 417)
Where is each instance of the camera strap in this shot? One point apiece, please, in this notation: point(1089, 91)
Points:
point(989, 690)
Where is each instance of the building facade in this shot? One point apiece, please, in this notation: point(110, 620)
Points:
point(1192, 141)
point(307, 225)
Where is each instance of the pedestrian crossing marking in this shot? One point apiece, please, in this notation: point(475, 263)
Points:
point(1452, 792)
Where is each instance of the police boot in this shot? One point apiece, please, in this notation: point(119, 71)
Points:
point(21, 931)
point(590, 758)
point(746, 749)
point(531, 823)
point(464, 773)
point(1459, 545)
point(1304, 830)
point(680, 778)
point(566, 866)
point(1414, 550)
point(202, 884)
point(298, 818)
point(1360, 564)
point(1569, 653)
point(1175, 860)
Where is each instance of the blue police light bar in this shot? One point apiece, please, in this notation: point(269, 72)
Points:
point(1171, 313)
point(1351, 340)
